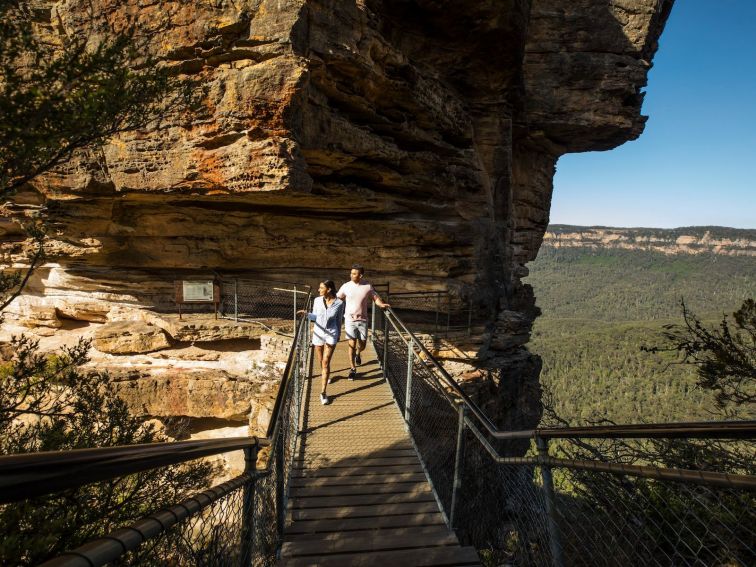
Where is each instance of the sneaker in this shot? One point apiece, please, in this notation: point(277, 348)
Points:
point(352, 374)
point(357, 359)
point(324, 399)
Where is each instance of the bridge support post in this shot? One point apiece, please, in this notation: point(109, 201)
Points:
point(458, 462)
point(385, 345)
point(555, 541)
point(236, 300)
point(408, 392)
point(296, 298)
point(248, 508)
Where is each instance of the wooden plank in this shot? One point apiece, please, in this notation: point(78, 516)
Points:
point(355, 471)
point(438, 530)
point(351, 462)
point(356, 524)
point(370, 541)
point(360, 480)
point(390, 488)
point(409, 451)
point(364, 511)
point(359, 500)
point(422, 557)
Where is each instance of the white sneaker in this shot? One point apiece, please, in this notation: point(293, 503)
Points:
point(323, 399)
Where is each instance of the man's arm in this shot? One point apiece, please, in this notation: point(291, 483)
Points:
point(340, 294)
point(378, 301)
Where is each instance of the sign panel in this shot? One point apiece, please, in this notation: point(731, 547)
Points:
point(200, 291)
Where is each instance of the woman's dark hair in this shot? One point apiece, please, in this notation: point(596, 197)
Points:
point(330, 286)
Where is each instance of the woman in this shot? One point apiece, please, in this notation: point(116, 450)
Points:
point(327, 313)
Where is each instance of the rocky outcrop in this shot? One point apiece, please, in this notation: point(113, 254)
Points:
point(418, 138)
point(688, 240)
point(129, 337)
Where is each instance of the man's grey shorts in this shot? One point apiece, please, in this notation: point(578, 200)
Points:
point(356, 329)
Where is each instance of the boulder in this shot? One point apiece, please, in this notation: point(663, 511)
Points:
point(130, 337)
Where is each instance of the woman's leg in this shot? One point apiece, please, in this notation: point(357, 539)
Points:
point(319, 352)
point(326, 364)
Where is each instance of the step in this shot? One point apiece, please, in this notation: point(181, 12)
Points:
point(367, 542)
point(367, 511)
point(369, 489)
point(356, 471)
point(351, 462)
point(362, 480)
point(357, 524)
point(421, 557)
point(438, 530)
point(321, 501)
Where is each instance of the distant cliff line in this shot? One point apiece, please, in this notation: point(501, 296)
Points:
point(684, 240)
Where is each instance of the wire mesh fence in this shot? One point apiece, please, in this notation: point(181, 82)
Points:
point(606, 501)
point(436, 313)
point(239, 299)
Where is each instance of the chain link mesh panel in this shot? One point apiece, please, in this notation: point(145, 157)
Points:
point(434, 313)
point(598, 518)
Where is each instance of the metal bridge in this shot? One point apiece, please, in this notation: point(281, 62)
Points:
point(403, 468)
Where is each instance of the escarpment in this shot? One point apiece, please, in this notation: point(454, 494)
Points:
point(418, 138)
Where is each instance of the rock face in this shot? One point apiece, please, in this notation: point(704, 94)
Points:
point(418, 138)
point(689, 240)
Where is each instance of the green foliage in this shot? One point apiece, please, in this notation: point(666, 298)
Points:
point(725, 358)
point(48, 404)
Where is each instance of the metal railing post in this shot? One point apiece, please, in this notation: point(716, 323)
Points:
point(295, 309)
point(438, 308)
point(458, 462)
point(248, 507)
point(408, 392)
point(555, 541)
point(236, 300)
point(469, 317)
point(385, 345)
point(372, 321)
point(279, 452)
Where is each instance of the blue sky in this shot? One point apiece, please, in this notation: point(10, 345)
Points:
point(695, 163)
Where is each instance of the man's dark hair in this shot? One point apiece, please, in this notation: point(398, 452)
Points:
point(359, 267)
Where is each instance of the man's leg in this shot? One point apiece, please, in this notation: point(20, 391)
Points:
point(361, 333)
point(352, 352)
point(361, 344)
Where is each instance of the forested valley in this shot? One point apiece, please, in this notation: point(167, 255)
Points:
point(602, 306)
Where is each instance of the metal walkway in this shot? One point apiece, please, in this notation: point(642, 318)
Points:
point(359, 495)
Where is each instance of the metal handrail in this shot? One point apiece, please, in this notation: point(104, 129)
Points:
point(37, 474)
point(704, 430)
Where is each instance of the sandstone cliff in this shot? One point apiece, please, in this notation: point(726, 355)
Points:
point(686, 240)
point(417, 137)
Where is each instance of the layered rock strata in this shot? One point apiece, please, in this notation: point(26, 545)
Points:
point(418, 138)
point(687, 240)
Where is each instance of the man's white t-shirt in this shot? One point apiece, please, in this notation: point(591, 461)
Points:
point(356, 296)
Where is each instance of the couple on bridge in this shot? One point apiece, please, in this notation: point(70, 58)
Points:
point(349, 303)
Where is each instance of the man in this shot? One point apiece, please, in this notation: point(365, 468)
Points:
point(356, 293)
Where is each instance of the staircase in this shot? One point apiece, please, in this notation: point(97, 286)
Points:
point(359, 495)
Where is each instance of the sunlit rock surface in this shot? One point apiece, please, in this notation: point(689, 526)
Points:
point(419, 138)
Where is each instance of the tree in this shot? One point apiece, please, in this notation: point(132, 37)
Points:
point(61, 93)
point(47, 403)
point(725, 358)
point(65, 92)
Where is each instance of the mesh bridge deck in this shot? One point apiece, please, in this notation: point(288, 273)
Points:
point(359, 495)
